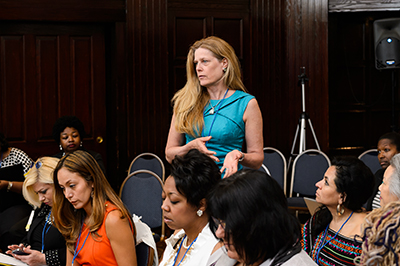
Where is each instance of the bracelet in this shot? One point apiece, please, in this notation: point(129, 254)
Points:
point(242, 157)
point(10, 184)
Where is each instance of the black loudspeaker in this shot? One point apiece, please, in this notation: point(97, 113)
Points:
point(387, 43)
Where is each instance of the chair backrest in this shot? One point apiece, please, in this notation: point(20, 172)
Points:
point(144, 255)
point(275, 162)
point(370, 158)
point(141, 193)
point(308, 168)
point(148, 161)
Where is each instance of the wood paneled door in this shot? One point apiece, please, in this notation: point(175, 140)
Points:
point(48, 70)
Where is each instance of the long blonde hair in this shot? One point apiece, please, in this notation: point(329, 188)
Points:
point(68, 220)
point(381, 239)
point(41, 171)
point(189, 101)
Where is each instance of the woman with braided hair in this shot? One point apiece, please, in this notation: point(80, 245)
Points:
point(381, 236)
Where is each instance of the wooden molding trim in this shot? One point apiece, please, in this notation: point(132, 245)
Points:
point(363, 5)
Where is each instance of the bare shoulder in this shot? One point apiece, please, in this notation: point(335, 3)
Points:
point(114, 218)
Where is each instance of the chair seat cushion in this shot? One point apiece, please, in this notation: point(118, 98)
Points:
point(296, 202)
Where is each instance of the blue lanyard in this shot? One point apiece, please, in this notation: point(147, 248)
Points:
point(323, 237)
point(215, 115)
point(44, 231)
point(77, 244)
point(180, 246)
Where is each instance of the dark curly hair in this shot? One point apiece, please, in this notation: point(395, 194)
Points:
point(3, 143)
point(195, 174)
point(67, 121)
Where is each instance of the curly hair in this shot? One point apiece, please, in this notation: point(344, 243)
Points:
point(67, 121)
point(381, 236)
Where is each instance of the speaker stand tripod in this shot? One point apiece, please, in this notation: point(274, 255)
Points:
point(301, 126)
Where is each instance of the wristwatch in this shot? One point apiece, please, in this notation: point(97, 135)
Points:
point(242, 157)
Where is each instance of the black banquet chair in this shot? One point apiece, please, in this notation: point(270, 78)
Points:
point(148, 161)
point(370, 158)
point(308, 168)
point(275, 162)
point(141, 193)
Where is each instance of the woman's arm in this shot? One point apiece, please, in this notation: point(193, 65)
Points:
point(254, 156)
point(15, 186)
point(176, 144)
point(120, 234)
point(254, 136)
point(69, 259)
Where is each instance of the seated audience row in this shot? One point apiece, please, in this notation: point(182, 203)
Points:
point(240, 220)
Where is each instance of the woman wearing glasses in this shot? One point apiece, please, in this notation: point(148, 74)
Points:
point(251, 216)
point(192, 176)
point(44, 244)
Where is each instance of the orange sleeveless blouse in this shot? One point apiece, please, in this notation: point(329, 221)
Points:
point(97, 251)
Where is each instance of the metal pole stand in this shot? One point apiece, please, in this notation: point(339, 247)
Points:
point(301, 126)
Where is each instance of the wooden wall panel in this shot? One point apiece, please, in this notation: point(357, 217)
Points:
point(49, 71)
point(147, 96)
point(12, 88)
point(307, 45)
point(63, 10)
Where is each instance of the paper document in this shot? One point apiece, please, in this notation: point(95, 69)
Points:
point(9, 260)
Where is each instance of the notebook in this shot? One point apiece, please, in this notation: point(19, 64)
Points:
point(312, 205)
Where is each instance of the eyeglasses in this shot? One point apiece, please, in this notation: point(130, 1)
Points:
point(219, 222)
point(38, 164)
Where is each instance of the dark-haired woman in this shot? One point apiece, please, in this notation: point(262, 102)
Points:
point(250, 214)
point(185, 208)
point(68, 132)
point(388, 146)
point(329, 237)
point(97, 227)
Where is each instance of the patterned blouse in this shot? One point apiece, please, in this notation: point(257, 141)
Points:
point(340, 250)
point(16, 157)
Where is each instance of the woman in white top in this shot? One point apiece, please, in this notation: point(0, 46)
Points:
point(185, 210)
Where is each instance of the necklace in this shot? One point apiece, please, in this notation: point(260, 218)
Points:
point(187, 249)
point(212, 110)
point(324, 236)
point(185, 244)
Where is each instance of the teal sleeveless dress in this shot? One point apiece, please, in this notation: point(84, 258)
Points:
point(228, 129)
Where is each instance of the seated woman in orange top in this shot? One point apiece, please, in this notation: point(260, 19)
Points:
point(98, 229)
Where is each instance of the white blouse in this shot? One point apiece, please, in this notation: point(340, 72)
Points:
point(199, 254)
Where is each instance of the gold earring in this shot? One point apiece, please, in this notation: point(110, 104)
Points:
point(340, 209)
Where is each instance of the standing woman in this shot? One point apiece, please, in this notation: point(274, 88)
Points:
point(44, 243)
point(213, 113)
point(329, 237)
point(68, 132)
point(98, 229)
